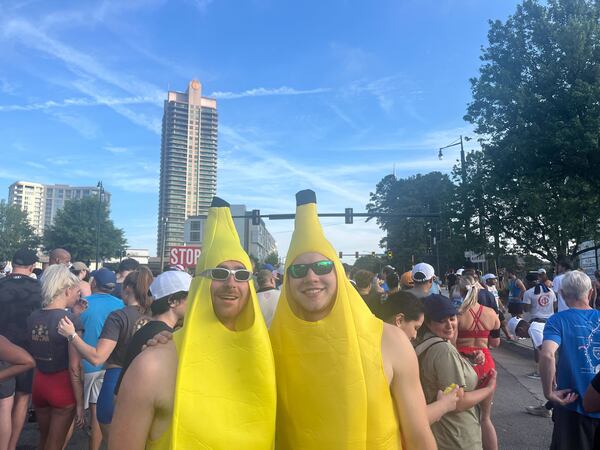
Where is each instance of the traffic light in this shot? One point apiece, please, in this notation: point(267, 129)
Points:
point(372, 253)
point(341, 254)
point(256, 217)
point(356, 255)
point(389, 254)
point(348, 215)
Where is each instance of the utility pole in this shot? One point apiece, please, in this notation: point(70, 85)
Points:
point(165, 220)
point(100, 195)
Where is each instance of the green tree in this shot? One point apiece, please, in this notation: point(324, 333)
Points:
point(74, 229)
point(273, 259)
point(411, 239)
point(15, 231)
point(536, 107)
point(371, 263)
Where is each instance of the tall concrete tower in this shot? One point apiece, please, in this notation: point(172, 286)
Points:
point(188, 162)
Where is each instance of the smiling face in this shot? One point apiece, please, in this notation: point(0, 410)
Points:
point(445, 328)
point(312, 297)
point(229, 297)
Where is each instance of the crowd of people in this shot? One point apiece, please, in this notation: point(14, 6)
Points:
point(325, 357)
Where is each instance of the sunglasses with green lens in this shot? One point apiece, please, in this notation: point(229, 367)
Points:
point(318, 268)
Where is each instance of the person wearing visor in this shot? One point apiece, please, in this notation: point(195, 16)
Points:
point(344, 378)
point(213, 385)
point(442, 366)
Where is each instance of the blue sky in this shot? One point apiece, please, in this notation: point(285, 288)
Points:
point(327, 95)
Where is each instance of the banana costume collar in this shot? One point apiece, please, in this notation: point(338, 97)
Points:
point(225, 390)
point(331, 389)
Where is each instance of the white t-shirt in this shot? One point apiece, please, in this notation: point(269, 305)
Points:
point(542, 304)
point(556, 282)
point(536, 333)
point(267, 300)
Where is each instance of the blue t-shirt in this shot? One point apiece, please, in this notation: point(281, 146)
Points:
point(93, 318)
point(577, 332)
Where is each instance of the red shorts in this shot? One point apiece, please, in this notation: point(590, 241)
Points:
point(482, 370)
point(52, 390)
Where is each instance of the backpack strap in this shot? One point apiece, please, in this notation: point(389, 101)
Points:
point(422, 348)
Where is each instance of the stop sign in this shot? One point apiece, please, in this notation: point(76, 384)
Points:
point(184, 256)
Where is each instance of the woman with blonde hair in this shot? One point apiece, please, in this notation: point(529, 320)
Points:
point(57, 392)
point(477, 327)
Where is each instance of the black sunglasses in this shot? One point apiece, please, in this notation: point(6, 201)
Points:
point(221, 274)
point(318, 268)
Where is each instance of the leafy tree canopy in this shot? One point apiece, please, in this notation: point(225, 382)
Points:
point(273, 259)
point(411, 239)
point(536, 107)
point(15, 231)
point(74, 229)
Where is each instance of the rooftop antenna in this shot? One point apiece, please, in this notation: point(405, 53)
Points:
point(394, 170)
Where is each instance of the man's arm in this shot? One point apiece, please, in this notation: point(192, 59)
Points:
point(406, 390)
point(20, 360)
point(548, 372)
point(148, 380)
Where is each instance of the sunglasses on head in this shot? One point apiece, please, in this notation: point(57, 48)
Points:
point(318, 268)
point(221, 274)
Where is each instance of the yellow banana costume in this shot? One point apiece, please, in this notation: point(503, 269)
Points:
point(331, 388)
point(225, 391)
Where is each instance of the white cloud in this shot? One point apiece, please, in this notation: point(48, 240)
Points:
point(100, 101)
point(262, 92)
point(116, 150)
point(83, 126)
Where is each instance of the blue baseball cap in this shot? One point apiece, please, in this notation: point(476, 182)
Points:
point(438, 307)
point(104, 278)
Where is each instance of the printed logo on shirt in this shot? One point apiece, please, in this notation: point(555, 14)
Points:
point(140, 323)
point(543, 300)
point(40, 333)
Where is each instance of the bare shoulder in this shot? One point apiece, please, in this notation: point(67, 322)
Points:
point(154, 368)
point(395, 346)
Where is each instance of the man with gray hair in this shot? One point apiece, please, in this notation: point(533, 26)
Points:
point(575, 334)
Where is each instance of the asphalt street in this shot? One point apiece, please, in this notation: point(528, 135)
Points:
point(516, 429)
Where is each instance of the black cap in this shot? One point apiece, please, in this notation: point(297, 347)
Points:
point(438, 307)
point(24, 257)
point(218, 202)
point(305, 197)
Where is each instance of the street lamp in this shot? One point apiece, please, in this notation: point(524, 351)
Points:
point(100, 195)
point(165, 220)
point(463, 169)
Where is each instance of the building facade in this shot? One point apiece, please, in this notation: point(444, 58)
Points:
point(29, 197)
point(256, 239)
point(41, 202)
point(188, 162)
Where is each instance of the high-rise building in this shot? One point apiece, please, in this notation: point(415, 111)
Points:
point(188, 162)
point(41, 202)
point(57, 194)
point(30, 198)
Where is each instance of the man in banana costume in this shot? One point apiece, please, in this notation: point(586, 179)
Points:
point(345, 380)
point(213, 386)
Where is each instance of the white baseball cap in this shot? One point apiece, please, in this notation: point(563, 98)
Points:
point(460, 271)
point(169, 283)
point(488, 276)
point(540, 271)
point(422, 272)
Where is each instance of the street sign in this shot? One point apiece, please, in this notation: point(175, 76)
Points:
point(185, 256)
point(475, 257)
